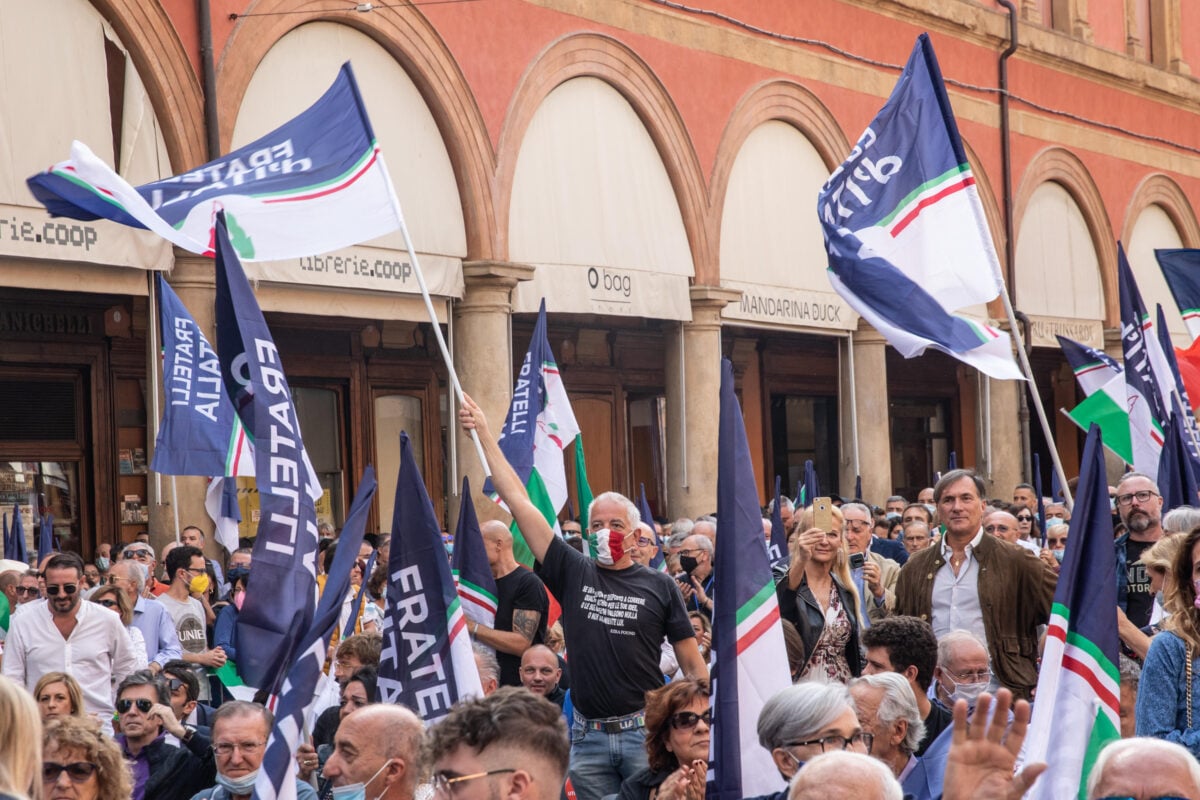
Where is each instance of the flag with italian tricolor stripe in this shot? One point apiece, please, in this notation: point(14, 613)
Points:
point(752, 662)
point(1078, 693)
point(469, 565)
point(1181, 268)
point(1093, 368)
point(905, 231)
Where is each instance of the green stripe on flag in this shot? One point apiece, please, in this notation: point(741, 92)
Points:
point(455, 607)
point(583, 490)
point(754, 603)
point(1087, 646)
point(951, 174)
point(1100, 408)
point(538, 495)
point(475, 590)
point(1103, 732)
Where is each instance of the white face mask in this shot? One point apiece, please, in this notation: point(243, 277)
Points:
point(964, 691)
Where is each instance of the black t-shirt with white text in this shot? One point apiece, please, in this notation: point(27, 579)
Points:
point(519, 589)
point(1140, 599)
point(614, 622)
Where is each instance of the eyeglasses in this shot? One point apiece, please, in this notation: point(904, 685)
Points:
point(688, 551)
point(688, 719)
point(143, 705)
point(1051, 542)
point(838, 742)
point(66, 588)
point(1142, 497)
point(109, 603)
point(644, 542)
point(444, 784)
point(78, 771)
point(975, 676)
point(137, 553)
point(32, 591)
point(1024, 517)
point(174, 684)
point(857, 524)
point(225, 749)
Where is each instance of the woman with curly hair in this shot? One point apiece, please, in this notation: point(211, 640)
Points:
point(1171, 710)
point(81, 763)
point(58, 695)
point(678, 722)
point(20, 752)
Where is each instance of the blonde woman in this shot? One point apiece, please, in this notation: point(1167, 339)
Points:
point(58, 695)
point(20, 744)
point(1159, 560)
point(819, 598)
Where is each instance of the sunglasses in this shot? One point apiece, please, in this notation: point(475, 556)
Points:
point(108, 603)
point(78, 771)
point(689, 719)
point(1024, 518)
point(139, 553)
point(66, 588)
point(143, 705)
point(29, 590)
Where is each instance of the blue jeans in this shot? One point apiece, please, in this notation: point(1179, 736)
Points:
point(601, 761)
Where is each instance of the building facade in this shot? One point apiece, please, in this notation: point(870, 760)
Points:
point(647, 167)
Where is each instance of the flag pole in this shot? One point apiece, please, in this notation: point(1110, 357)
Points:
point(853, 400)
point(437, 328)
point(1023, 358)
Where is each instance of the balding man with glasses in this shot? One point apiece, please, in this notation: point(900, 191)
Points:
point(149, 616)
point(1140, 505)
point(63, 634)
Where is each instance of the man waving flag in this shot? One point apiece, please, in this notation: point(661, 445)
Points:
point(907, 239)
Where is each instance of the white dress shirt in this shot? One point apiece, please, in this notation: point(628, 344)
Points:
point(956, 597)
point(98, 653)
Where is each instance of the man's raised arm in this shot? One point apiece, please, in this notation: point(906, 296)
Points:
point(538, 533)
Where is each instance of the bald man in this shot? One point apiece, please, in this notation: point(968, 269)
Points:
point(521, 605)
point(379, 746)
point(541, 672)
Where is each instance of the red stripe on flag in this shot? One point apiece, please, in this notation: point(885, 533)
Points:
point(758, 630)
point(467, 598)
point(1085, 672)
point(458, 626)
point(330, 190)
point(1058, 632)
point(928, 201)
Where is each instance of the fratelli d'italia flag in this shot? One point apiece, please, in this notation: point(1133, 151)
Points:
point(314, 184)
point(1078, 695)
point(748, 638)
point(539, 426)
point(469, 565)
point(907, 239)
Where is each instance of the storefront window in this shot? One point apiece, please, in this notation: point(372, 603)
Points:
point(647, 448)
point(395, 413)
point(804, 428)
point(920, 442)
point(319, 413)
point(40, 490)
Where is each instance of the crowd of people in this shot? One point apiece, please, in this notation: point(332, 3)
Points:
point(913, 633)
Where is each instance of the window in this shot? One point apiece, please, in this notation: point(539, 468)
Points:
point(647, 451)
point(920, 442)
point(805, 427)
point(395, 412)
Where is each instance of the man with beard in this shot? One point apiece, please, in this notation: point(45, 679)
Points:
point(84, 640)
point(1140, 506)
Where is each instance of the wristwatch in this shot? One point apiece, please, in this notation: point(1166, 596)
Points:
point(188, 732)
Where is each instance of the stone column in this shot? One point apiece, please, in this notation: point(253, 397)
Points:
point(484, 363)
point(1006, 465)
point(693, 403)
point(872, 414)
point(194, 280)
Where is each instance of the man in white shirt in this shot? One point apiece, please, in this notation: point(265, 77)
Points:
point(66, 635)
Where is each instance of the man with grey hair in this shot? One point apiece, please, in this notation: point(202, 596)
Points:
point(786, 509)
point(489, 668)
point(151, 617)
point(706, 526)
point(894, 504)
point(916, 536)
point(801, 722)
point(615, 614)
point(838, 775)
point(888, 709)
point(973, 581)
point(1143, 769)
point(875, 579)
point(963, 671)
point(237, 727)
point(696, 580)
point(1181, 519)
point(1140, 505)
point(680, 530)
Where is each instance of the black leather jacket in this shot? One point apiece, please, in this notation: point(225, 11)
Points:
point(799, 607)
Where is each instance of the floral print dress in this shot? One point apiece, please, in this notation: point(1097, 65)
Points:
point(828, 659)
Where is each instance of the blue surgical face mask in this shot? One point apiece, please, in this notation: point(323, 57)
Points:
point(358, 791)
point(1058, 554)
point(238, 786)
point(102, 563)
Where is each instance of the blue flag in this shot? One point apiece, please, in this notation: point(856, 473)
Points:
point(858, 488)
point(1041, 501)
point(1078, 697)
point(1176, 473)
point(285, 549)
point(953, 461)
point(277, 776)
point(1181, 268)
point(8, 543)
point(905, 231)
point(1145, 403)
point(20, 551)
point(778, 550)
point(426, 663)
point(45, 544)
point(810, 488)
point(200, 434)
point(1093, 368)
point(747, 636)
point(659, 561)
point(477, 590)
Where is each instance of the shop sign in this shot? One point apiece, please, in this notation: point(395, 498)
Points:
point(365, 267)
point(609, 291)
point(789, 307)
point(1043, 330)
point(32, 233)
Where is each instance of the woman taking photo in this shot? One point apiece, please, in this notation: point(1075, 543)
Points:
point(82, 764)
point(678, 724)
point(58, 695)
point(819, 598)
point(1170, 710)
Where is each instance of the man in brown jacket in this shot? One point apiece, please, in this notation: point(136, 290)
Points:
point(979, 583)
